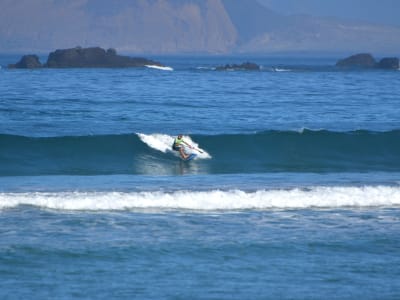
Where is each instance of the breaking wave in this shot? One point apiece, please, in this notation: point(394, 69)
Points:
point(151, 154)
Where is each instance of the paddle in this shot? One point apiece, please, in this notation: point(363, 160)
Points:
point(196, 149)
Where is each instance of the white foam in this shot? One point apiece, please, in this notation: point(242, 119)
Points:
point(205, 68)
point(159, 68)
point(163, 143)
point(160, 142)
point(282, 70)
point(317, 197)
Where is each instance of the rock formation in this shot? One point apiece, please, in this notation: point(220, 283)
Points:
point(94, 57)
point(365, 60)
point(27, 62)
point(391, 63)
point(247, 66)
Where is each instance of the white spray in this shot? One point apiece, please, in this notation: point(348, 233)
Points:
point(163, 143)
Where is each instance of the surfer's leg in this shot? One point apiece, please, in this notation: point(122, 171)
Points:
point(182, 152)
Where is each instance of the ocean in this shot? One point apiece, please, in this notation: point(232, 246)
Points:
point(294, 194)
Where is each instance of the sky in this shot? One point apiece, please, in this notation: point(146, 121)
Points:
point(376, 11)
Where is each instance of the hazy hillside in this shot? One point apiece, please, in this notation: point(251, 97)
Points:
point(262, 30)
point(179, 26)
point(159, 26)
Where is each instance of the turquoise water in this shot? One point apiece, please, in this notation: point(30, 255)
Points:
point(295, 195)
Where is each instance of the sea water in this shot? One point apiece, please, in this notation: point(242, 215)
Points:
point(295, 193)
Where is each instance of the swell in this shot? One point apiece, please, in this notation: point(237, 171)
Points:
point(268, 151)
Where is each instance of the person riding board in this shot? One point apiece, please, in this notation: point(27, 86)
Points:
point(178, 146)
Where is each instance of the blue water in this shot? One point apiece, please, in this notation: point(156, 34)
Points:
point(295, 196)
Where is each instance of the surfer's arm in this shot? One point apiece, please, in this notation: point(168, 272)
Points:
point(190, 146)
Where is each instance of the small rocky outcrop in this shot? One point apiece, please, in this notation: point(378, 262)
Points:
point(94, 57)
point(390, 63)
point(365, 60)
point(247, 66)
point(27, 62)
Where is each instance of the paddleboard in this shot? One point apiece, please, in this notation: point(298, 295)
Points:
point(191, 156)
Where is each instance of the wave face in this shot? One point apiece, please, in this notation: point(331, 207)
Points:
point(264, 152)
point(315, 197)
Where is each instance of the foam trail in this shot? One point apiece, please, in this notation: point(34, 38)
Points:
point(206, 68)
point(281, 70)
point(316, 197)
point(163, 143)
point(160, 142)
point(159, 68)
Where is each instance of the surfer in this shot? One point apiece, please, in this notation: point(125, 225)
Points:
point(178, 146)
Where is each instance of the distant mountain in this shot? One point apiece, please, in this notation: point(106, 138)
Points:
point(262, 30)
point(180, 26)
point(139, 26)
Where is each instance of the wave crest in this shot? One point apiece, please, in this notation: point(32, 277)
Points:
point(315, 197)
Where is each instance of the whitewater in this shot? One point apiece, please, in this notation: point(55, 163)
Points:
point(163, 143)
point(314, 197)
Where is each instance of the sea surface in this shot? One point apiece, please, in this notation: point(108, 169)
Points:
point(294, 193)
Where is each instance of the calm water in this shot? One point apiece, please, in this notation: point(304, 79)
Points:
point(296, 194)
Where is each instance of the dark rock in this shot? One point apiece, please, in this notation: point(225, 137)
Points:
point(363, 60)
point(247, 66)
point(367, 61)
point(94, 57)
point(391, 63)
point(111, 51)
point(27, 62)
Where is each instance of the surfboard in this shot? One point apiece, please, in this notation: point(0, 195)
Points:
point(191, 156)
